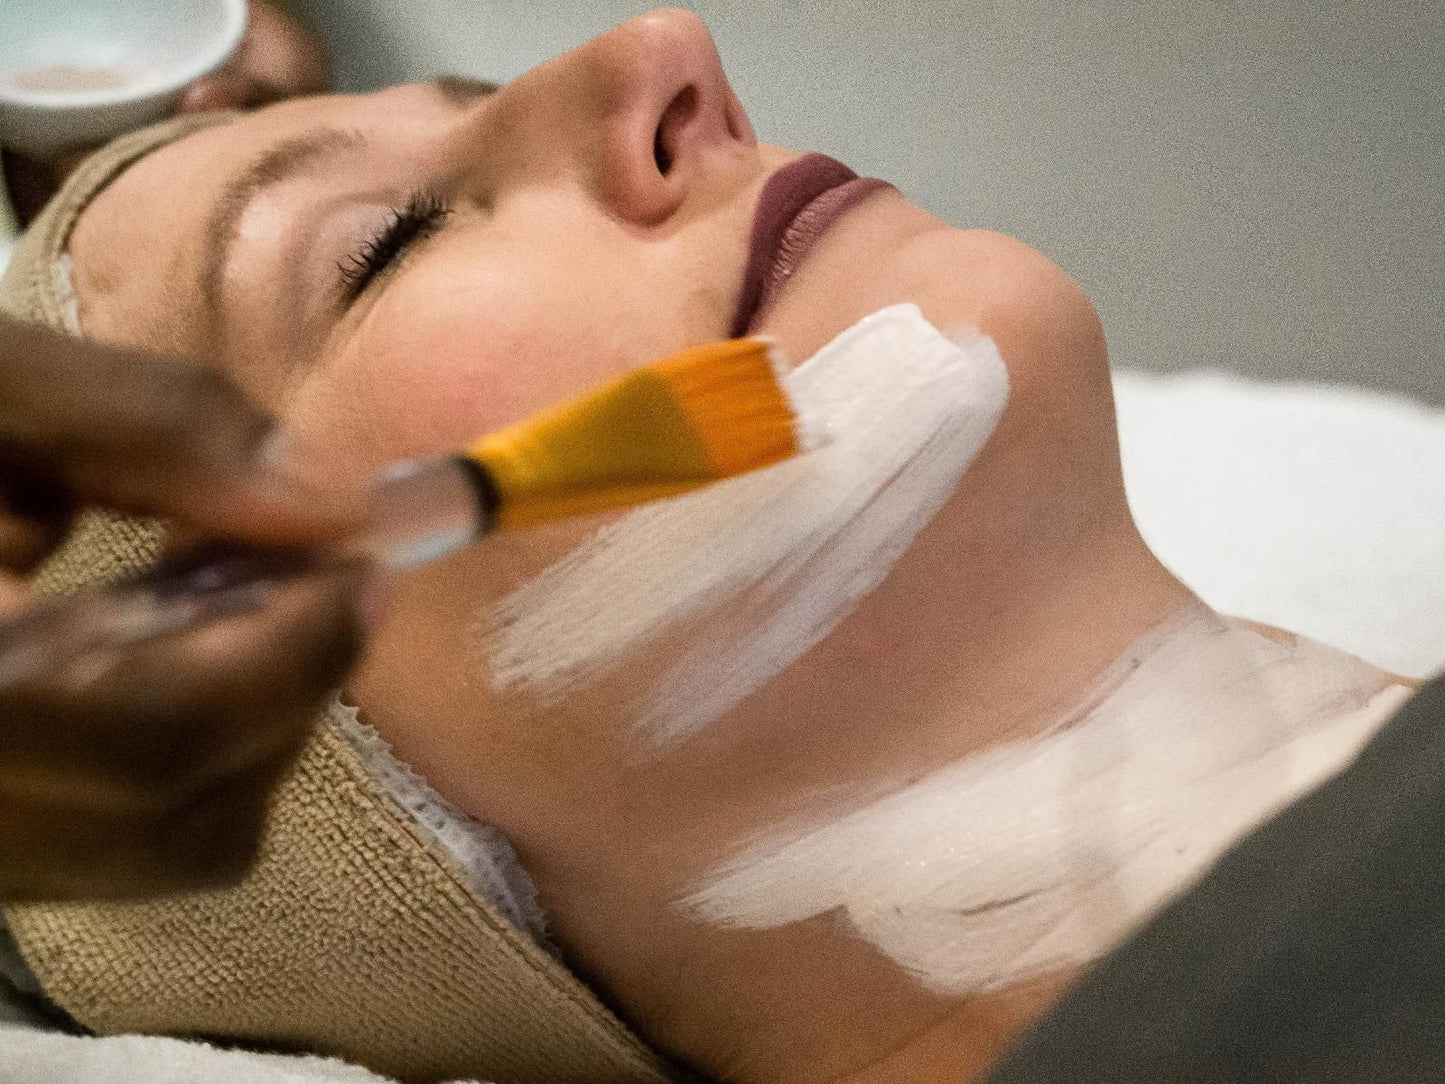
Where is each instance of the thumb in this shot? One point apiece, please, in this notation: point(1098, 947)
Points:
point(156, 436)
point(225, 89)
point(209, 460)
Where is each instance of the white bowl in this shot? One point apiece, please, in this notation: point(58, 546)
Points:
point(77, 72)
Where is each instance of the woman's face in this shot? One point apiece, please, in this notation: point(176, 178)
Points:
point(397, 273)
point(401, 271)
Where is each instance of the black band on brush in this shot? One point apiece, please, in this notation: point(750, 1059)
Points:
point(484, 488)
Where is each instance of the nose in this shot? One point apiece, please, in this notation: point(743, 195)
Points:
point(643, 113)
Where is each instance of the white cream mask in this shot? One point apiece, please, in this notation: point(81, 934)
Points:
point(1041, 854)
point(768, 563)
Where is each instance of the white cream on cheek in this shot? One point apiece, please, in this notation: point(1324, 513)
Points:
point(768, 563)
point(1041, 854)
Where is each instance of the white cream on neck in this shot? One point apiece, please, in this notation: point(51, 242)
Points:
point(760, 568)
point(1041, 854)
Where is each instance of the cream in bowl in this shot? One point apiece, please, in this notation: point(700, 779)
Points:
point(78, 72)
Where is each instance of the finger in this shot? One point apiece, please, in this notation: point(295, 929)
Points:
point(54, 850)
point(156, 436)
point(278, 58)
point(271, 670)
point(24, 542)
point(214, 839)
point(14, 596)
point(224, 89)
point(173, 715)
point(159, 773)
point(281, 53)
point(35, 515)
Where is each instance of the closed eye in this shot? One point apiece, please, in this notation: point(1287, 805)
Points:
point(423, 215)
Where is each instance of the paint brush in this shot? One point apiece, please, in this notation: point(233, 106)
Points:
point(659, 431)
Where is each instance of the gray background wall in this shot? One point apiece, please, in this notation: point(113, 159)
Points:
point(1252, 186)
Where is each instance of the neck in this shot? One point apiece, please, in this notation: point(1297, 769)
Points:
point(988, 881)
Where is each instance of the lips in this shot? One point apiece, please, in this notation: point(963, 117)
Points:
point(795, 208)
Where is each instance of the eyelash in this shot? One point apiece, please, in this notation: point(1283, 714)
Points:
point(422, 216)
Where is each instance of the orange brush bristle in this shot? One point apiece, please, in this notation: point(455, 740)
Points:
point(731, 394)
point(693, 418)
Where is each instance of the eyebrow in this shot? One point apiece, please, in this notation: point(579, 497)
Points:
point(284, 161)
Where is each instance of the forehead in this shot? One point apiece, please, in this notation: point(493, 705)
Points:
point(138, 249)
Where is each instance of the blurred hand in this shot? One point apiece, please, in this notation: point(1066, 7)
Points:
point(278, 58)
point(150, 771)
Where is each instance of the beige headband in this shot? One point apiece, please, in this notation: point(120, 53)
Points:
point(358, 934)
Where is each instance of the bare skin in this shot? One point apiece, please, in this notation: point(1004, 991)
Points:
point(1028, 583)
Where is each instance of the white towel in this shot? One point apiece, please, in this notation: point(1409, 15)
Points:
point(30, 1055)
point(1317, 509)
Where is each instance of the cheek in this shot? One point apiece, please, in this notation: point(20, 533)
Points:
point(443, 359)
point(536, 305)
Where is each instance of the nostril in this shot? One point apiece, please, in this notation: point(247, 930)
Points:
point(670, 127)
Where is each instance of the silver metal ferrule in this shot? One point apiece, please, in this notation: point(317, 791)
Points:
point(422, 511)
